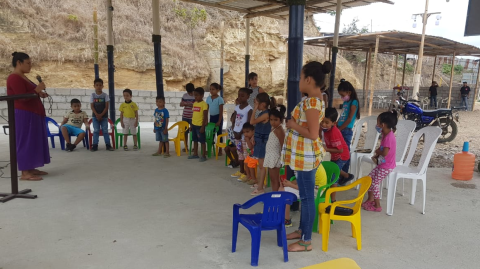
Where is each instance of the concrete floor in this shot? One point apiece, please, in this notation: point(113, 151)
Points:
point(131, 210)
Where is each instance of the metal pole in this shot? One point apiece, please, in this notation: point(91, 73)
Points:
point(475, 96)
point(247, 51)
point(418, 74)
point(157, 47)
point(111, 66)
point(434, 69)
point(374, 73)
point(365, 79)
point(451, 80)
point(222, 51)
point(295, 56)
point(95, 44)
point(335, 51)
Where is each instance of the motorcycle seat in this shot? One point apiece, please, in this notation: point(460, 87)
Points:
point(437, 112)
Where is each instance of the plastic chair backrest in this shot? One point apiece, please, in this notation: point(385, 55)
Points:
point(432, 134)
point(364, 183)
point(371, 136)
point(405, 129)
point(52, 121)
point(274, 207)
point(210, 131)
point(331, 168)
point(182, 128)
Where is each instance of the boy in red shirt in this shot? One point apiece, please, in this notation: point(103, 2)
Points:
point(335, 144)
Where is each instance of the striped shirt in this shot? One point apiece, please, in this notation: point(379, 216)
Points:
point(187, 110)
point(303, 154)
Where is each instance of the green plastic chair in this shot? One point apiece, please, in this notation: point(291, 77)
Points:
point(210, 130)
point(333, 172)
point(120, 135)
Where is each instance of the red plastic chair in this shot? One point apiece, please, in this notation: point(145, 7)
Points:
point(112, 134)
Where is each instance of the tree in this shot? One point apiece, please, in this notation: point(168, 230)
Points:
point(457, 69)
point(192, 18)
point(352, 28)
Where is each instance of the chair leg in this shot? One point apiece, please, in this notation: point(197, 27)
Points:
point(424, 193)
point(284, 244)
point(234, 236)
point(325, 231)
point(178, 147)
point(256, 238)
point(357, 230)
point(403, 187)
point(52, 141)
point(62, 142)
point(279, 237)
point(414, 191)
point(392, 188)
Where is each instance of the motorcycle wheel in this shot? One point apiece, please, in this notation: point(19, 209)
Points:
point(449, 131)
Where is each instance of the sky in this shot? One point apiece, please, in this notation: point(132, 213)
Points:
point(385, 17)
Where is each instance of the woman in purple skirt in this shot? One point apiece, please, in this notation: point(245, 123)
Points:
point(31, 129)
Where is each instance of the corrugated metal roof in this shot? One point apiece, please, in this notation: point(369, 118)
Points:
point(396, 42)
point(279, 8)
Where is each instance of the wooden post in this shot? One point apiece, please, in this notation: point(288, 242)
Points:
point(286, 78)
point(475, 96)
point(434, 69)
point(330, 53)
point(404, 66)
point(374, 73)
point(390, 77)
point(369, 64)
point(394, 81)
point(365, 80)
point(451, 81)
point(325, 53)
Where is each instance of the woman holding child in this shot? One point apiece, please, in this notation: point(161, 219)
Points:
point(31, 130)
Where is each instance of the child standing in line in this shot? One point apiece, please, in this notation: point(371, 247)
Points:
point(160, 127)
point(215, 107)
point(187, 103)
point(274, 145)
point(72, 124)
point(303, 150)
point(199, 121)
point(263, 103)
point(350, 113)
point(243, 112)
point(253, 85)
point(99, 102)
point(386, 125)
point(129, 119)
point(250, 162)
point(334, 143)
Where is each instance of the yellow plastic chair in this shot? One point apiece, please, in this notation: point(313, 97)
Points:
point(354, 218)
point(342, 263)
point(182, 128)
point(220, 145)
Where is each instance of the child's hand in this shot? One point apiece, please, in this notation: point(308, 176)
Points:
point(202, 130)
point(99, 118)
point(154, 131)
point(217, 124)
point(287, 183)
point(291, 123)
point(378, 152)
point(165, 131)
point(255, 106)
point(123, 124)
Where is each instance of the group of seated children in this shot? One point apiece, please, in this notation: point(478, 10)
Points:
point(99, 103)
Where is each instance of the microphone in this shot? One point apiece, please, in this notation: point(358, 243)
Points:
point(39, 78)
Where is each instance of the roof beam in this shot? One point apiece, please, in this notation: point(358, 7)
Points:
point(217, 5)
point(309, 4)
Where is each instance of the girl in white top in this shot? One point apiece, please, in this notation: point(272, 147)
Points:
point(274, 145)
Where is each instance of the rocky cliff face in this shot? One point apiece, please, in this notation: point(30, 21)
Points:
point(61, 46)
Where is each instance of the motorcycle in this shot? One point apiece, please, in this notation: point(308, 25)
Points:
point(443, 118)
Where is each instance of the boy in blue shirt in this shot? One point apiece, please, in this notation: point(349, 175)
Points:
point(99, 102)
point(161, 127)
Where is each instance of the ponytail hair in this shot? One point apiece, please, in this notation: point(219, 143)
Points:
point(19, 56)
point(346, 86)
point(278, 111)
point(317, 71)
point(216, 86)
point(264, 98)
point(390, 118)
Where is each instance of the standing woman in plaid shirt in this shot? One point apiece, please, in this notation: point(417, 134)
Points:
point(303, 150)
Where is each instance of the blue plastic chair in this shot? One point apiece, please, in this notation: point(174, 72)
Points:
point(52, 136)
point(273, 218)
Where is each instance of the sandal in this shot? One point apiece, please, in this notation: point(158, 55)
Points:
point(39, 173)
point(254, 186)
point(373, 208)
point(31, 178)
point(298, 232)
point(303, 245)
point(257, 192)
point(368, 203)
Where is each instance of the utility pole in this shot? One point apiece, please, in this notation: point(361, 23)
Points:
point(418, 71)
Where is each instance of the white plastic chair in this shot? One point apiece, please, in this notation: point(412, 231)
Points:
point(425, 103)
point(431, 135)
point(371, 139)
point(405, 129)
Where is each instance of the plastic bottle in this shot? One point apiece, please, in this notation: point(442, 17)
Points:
point(463, 164)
